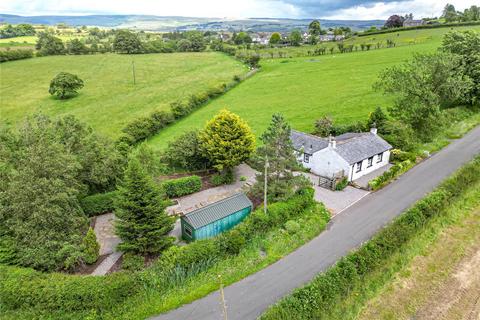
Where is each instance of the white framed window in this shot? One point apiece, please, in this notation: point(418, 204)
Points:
point(359, 166)
point(370, 162)
point(380, 157)
point(306, 158)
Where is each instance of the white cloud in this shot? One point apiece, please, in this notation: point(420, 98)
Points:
point(226, 8)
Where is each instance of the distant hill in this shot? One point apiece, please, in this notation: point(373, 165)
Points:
point(171, 23)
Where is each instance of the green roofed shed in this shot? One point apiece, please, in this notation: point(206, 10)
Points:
point(215, 218)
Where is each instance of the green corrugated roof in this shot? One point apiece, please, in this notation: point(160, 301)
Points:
point(217, 210)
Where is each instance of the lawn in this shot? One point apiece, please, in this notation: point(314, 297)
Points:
point(304, 89)
point(109, 99)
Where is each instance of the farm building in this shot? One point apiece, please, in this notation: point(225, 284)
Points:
point(215, 218)
point(349, 155)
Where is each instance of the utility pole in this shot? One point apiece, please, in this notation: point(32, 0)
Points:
point(265, 186)
point(133, 71)
point(222, 297)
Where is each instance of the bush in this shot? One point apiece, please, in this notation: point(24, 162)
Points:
point(132, 262)
point(321, 295)
point(183, 186)
point(389, 175)
point(342, 184)
point(292, 226)
point(17, 54)
point(65, 85)
point(26, 288)
point(145, 127)
point(231, 242)
point(91, 248)
point(219, 179)
point(97, 204)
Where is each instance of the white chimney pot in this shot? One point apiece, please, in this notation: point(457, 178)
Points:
point(373, 130)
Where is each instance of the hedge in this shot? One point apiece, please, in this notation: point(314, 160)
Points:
point(145, 127)
point(425, 26)
point(22, 288)
point(97, 204)
point(182, 186)
point(314, 300)
point(17, 54)
point(392, 173)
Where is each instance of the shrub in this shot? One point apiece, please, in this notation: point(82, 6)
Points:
point(132, 262)
point(292, 226)
point(219, 179)
point(342, 184)
point(231, 242)
point(91, 248)
point(65, 85)
point(183, 186)
point(180, 109)
point(145, 127)
point(389, 175)
point(98, 203)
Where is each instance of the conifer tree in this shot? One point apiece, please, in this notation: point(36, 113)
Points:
point(91, 248)
point(143, 225)
point(226, 141)
point(278, 148)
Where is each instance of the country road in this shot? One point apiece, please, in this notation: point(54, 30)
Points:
point(248, 298)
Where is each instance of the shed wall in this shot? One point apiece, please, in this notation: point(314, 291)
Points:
point(221, 225)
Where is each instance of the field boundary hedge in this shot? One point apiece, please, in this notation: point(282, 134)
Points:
point(15, 54)
point(143, 128)
point(425, 26)
point(317, 298)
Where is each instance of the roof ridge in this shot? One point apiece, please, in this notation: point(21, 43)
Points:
point(215, 203)
point(311, 135)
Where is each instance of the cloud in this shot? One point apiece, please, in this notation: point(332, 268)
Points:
point(334, 9)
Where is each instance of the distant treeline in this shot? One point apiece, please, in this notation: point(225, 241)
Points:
point(18, 30)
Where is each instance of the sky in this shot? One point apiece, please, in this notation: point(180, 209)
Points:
point(327, 9)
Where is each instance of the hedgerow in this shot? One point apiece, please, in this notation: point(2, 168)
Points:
point(318, 298)
point(425, 26)
point(392, 173)
point(182, 186)
point(99, 203)
point(17, 54)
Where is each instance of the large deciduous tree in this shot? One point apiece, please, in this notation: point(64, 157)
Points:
point(295, 38)
point(423, 86)
point(314, 31)
point(394, 21)
point(65, 85)
point(226, 141)
point(48, 44)
point(127, 42)
point(142, 223)
point(466, 44)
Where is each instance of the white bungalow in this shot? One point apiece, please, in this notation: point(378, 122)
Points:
point(351, 154)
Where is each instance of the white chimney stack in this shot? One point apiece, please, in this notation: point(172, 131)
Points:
point(331, 142)
point(373, 130)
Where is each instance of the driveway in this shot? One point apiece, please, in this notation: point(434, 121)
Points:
point(335, 201)
point(248, 298)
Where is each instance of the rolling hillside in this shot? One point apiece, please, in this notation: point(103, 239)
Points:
point(307, 88)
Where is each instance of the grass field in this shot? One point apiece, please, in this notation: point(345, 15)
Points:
point(109, 99)
point(306, 88)
point(30, 41)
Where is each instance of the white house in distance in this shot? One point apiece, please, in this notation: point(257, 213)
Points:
point(350, 155)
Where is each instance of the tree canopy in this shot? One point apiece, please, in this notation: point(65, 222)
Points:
point(142, 223)
point(127, 42)
point(226, 141)
point(65, 85)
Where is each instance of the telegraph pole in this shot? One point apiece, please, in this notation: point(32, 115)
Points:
point(265, 186)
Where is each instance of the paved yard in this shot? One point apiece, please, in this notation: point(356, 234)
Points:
point(202, 198)
point(105, 232)
point(336, 201)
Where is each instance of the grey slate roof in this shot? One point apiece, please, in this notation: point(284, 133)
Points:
point(309, 143)
point(217, 210)
point(355, 147)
